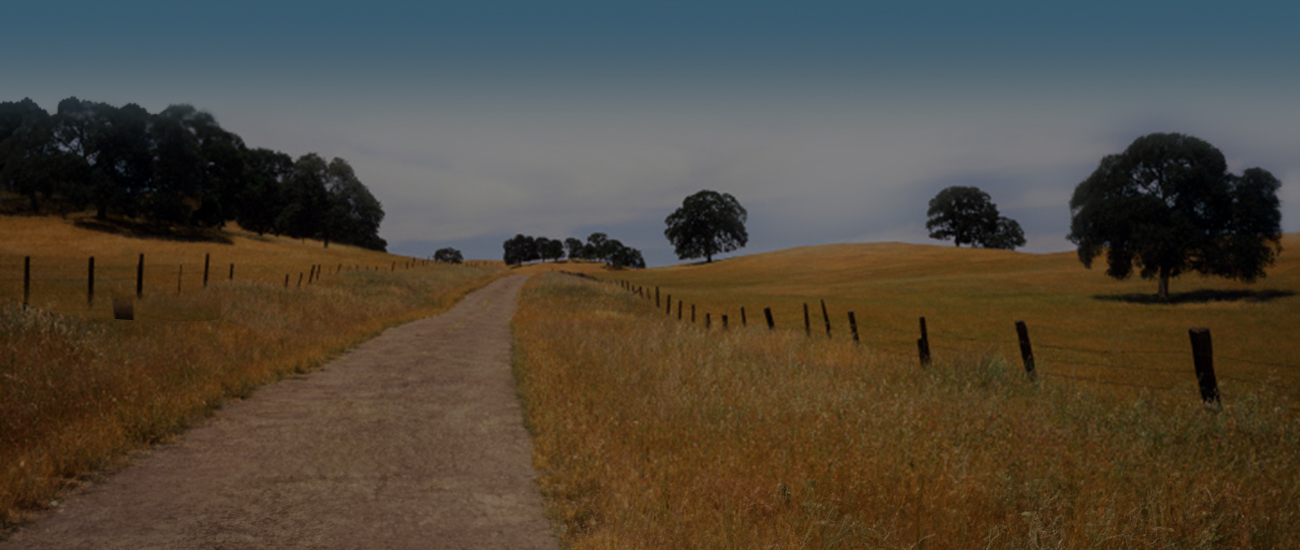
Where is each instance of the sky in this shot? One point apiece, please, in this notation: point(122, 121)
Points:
point(472, 121)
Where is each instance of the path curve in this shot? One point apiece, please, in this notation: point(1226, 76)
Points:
point(412, 440)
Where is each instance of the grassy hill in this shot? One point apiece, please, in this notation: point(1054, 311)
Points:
point(1082, 322)
point(79, 390)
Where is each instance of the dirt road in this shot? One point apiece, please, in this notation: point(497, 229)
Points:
point(412, 440)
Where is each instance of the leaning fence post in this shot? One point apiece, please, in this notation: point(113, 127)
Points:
point(1026, 350)
point(139, 278)
point(826, 318)
point(807, 326)
point(853, 326)
point(90, 282)
point(299, 279)
point(27, 280)
point(1203, 357)
point(743, 322)
point(767, 312)
point(232, 272)
point(923, 345)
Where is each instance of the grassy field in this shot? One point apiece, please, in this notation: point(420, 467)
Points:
point(1082, 323)
point(654, 433)
point(78, 390)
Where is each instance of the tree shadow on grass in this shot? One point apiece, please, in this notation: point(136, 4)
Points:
point(1199, 297)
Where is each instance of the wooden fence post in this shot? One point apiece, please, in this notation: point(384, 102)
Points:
point(692, 313)
point(206, 259)
point(923, 345)
point(670, 304)
point(27, 280)
point(139, 278)
point(656, 296)
point(708, 320)
point(679, 310)
point(853, 326)
point(807, 326)
point(1026, 350)
point(299, 279)
point(1203, 357)
point(286, 280)
point(743, 322)
point(180, 273)
point(724, 321)
point(232, 272)
point(767, 312)
point(826, 318)
point(90, 282)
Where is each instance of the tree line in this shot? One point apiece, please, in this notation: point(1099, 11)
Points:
point(177, 167)
point(599, 247)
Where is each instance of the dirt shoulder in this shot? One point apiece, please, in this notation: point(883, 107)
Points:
point(412, 440)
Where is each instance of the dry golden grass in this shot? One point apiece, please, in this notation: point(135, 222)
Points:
point(653, 433)
point(79, 390)
point(1082, 323)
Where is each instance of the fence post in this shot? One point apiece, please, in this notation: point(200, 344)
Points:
point(1203, 357)
point(27, 280)
point(286, 280)
point(1026, 350)
point(180, 273)
point(767, 311)
point(923, 345)
point(657, 297)
point(139, 278)
point(724, 321)
point(232, 272)
point(853, 326)
point(90, 282)
point(679, 310)
point(708, 320)
point(826, 318)
point(670, 304)
point(807, 326)
point(743, 322)
point(206, 259)
point(692, 313)
point(299, 279)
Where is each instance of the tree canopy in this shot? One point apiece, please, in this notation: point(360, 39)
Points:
point(178, 167)
point(523, 248)
point(968, 216)
point(448, 255)
point(1167, 205)
point(706, 224)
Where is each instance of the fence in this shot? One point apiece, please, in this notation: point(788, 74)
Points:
point(1200, 354)
point(82, 290)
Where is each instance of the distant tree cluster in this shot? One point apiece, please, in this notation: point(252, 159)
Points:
point(448, 256)
point(599, 247)
point(968, 216)
point(177, 167)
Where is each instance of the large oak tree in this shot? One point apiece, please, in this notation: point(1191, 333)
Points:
point(1167, 205)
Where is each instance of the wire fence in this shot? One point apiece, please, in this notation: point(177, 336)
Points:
point(113, 286)
point(1146, 369)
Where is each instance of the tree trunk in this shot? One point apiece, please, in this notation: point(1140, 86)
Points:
point(1162, 291)
point(708, 258)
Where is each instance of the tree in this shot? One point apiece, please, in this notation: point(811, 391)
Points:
point(574, 248)
point(552, 249)
point(621, 256)
point(448, 256)
point(707, 223)
point(597, 247)
point(520, 249)
point(968, 216)
point(261, 197)
point(1167, 205)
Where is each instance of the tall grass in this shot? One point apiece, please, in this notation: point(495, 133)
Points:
point(651, 433)
point(79, 392)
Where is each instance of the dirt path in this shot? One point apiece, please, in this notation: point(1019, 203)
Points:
point(412, 440)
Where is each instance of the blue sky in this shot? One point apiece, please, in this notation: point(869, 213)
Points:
point(830, 122)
